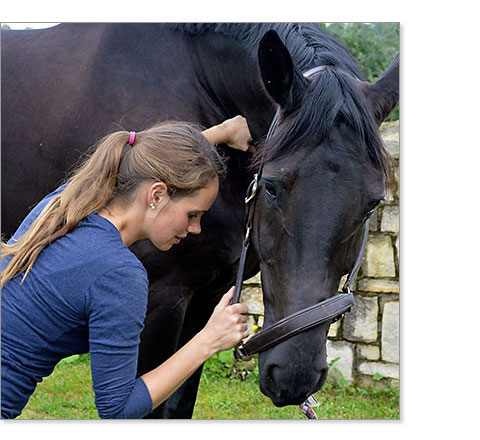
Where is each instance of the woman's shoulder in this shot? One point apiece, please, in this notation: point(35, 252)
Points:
point(93, 248)
point(98, 236)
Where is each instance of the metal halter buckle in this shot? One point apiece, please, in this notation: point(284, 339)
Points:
point(307, 407)
point(240, 354)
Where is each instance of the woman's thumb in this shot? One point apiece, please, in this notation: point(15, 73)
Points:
point(225, 301)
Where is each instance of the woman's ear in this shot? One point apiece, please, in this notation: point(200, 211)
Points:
point(157, 192)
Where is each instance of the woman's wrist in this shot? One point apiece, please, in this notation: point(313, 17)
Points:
point(205, 343)
point(216, 134)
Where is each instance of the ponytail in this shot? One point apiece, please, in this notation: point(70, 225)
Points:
point(173, 152)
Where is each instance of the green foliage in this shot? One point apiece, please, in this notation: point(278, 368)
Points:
point(224, 365)
point(373, 45)
point(335, 375)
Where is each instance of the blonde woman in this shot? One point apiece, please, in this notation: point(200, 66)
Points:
point(71, 285)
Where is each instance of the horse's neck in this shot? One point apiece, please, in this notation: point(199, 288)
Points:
point(229, 73)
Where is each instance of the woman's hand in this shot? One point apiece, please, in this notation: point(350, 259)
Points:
point(234, 132)
point(227, 326)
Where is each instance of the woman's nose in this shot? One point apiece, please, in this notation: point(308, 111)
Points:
point(194, 227)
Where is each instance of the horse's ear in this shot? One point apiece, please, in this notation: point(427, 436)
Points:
point(280, 77)
point(383, 94)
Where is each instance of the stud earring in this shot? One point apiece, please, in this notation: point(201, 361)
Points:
point(152, 206)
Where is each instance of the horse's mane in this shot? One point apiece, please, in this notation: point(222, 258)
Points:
point(307, 43)
point(332, 96)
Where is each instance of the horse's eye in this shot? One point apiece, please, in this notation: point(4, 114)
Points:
point(372, 207)
point(270, 190)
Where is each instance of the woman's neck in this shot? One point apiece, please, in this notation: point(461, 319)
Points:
point(126, 220)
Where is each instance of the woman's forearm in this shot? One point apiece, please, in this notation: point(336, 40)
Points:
point(234, 132)
point(164, 380)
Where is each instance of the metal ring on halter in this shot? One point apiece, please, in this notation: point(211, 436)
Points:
point(252, 189)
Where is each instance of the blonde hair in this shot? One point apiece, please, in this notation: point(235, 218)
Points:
point(175, 153)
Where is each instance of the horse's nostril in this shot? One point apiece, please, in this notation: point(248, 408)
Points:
point(271, 372)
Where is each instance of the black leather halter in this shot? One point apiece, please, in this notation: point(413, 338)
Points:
point(328, 310)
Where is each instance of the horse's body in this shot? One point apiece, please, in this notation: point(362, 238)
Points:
point(65, 87)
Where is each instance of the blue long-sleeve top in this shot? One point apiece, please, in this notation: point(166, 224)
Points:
point(86, 292)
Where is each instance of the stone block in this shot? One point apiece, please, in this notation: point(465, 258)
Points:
point(397, 248)
point(252, 297)
point(353, 286)
point(361, 323)
point(254, 280)
point(369, 382)
point(379, 261)
point(370, 352)
point(260, 321)
point(373, 226)
point(386, 370)
point(333, 330)
point(390, 219)
point(344, 365)
point(391, 332)
point(390, 132)
point(379, 286)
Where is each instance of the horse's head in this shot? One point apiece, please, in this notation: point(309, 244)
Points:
point(325, 170)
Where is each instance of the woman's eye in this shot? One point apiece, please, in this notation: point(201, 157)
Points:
point(193, 216)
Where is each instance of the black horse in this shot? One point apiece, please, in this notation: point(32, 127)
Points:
point(325, 168)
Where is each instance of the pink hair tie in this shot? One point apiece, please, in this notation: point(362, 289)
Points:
point(131, 140)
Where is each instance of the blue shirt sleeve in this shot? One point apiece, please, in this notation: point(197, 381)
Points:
point(116, 307)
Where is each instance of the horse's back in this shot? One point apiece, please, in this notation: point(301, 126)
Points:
point(65, 87)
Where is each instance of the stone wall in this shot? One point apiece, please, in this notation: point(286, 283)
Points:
point(364, 345)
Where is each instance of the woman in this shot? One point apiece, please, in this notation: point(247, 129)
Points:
point(70, 284)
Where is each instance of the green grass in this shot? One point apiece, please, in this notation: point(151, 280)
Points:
point(65, 394)
point(227, 391)
point(230, 390)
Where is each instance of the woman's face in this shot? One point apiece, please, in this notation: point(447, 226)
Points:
point(173, 219)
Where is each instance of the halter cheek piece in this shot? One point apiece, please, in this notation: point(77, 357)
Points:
point(328, 310)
